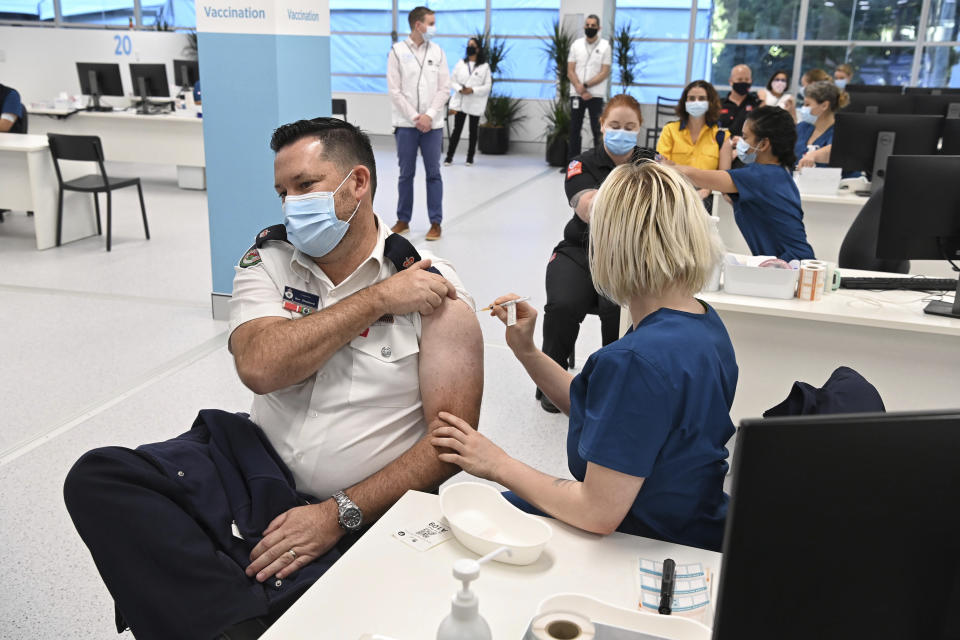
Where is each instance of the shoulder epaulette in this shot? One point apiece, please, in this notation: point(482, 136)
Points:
point(275, 232)
point(402, 253)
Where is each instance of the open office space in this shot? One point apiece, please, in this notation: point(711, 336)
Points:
point(479, 319)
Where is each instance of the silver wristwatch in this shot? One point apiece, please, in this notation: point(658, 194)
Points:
point(350, 517)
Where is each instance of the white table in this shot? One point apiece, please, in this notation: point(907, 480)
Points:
point(28, 183)
point(827, 218)
point(383, 586)
point(170, 138)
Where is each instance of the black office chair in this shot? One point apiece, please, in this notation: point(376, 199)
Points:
point(859, 247)
point(666, 111)
point(89, 149)
point(339, 106)
point(653, 134)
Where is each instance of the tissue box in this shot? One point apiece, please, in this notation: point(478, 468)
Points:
point(764, 282)
point(822, 181)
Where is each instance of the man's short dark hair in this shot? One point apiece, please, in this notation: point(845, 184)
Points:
point(343, 144)
point(417, 15)
point(594, 16)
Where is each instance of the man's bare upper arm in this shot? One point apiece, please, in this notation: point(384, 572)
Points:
point(451, 362)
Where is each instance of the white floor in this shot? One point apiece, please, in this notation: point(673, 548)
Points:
point(119, 348)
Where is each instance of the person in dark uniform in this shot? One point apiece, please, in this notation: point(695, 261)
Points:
point(12, 114)
point(570, 291)
point(739, 102)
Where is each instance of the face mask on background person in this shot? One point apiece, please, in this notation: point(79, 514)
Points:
point(743, 152)
point(430, 32)
point(696, 108)
point(805, 115)
point(312, 223)
point(841, 84)
point(619, 141)
point(471, 50)
point(591, 31)
point(742, 88)
point(779, 85)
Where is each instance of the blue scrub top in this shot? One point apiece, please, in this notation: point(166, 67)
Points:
point(804, 129)
point(656, 404)
point(11, 104)
point(767, 210)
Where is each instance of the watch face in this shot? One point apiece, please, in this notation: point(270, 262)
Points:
point(351, 518)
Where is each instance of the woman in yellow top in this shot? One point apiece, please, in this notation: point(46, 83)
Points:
point(696, 140)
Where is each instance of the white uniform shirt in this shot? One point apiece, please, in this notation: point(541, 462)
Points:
point(418, 81)
point(362, 409)
point(478, 78)
point(589, 59)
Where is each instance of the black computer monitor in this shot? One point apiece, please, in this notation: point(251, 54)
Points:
point(873, 88)
point(932, 91)
point(149, 80)
point(863, 141)
point(879, 103)
point(186, 73)
point(951, 137)
point(920, 216)
point(99, 79)
point(843, 527)
point(937, 105)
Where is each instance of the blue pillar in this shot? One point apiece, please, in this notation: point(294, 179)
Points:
point(263, 64)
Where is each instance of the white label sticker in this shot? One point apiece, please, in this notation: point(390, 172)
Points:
point(425, 536)
point(511, 315)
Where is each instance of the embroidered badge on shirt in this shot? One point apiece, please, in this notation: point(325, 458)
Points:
point(575, 168)
point(251, 258)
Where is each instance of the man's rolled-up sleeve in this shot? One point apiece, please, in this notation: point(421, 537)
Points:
point(255, 295)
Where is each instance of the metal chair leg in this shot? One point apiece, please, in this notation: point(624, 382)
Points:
point(572, 360)
point(109, 217)
point(96, 206)
point(59, 216)
point(143, 210)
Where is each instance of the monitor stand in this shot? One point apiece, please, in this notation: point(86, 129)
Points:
point(885, 140)
point(95, 94)
point(950, 310)
point(142, 92)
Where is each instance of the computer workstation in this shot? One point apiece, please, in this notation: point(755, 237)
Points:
point(150, 81)
point(99, 79)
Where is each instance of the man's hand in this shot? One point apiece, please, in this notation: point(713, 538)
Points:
point(310, 531)
point(423, 122)
point(520, 335)
point(586, 95)
point(462, 445)
point(414, 290)
point(467, 90)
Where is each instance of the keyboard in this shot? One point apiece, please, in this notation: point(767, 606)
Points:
point(907, 284)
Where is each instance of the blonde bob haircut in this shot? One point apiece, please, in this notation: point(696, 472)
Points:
point(649, 233)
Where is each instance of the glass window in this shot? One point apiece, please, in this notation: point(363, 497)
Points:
point(648, 95)
point(763, 60)
point(523, 17)
point(704, 7)
point(940, 67)
point(882, 65)
point(355, 84)
point(525, 59)
point(882, 20)
point(107, 12)
point(364, 20)
point(944, 23)
point(701, 62)
point(172, 13)
point(454, 46)
point(655, 18)
point(531, 90)
point(26, 10)
point(755, 19)
point(659, 63)
point(353, 54)
point(826, 58)
point(460, 17)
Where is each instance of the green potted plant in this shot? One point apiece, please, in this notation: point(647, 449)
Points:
point(502, 112)
point(626, 60)
point(556, 50)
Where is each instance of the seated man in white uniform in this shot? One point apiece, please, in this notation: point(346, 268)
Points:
point(353, 345)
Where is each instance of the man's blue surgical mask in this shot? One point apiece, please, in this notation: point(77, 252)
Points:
point(743, 152)
point(312, 223)
point(696, 108)
point(430, 32)
point(619, 141)
point(805, 115)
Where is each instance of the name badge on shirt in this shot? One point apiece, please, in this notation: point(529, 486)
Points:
point(300, 301)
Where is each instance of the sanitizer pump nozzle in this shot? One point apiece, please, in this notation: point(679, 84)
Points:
point(465, 621)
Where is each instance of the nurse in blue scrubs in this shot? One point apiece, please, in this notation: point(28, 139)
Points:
point(649, 413)
point(821, 102)
point(766, 201)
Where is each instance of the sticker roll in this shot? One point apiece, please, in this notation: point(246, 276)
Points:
point(812, 277)
point(561, 625)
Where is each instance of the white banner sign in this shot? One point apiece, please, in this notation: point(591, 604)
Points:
point(271, 17)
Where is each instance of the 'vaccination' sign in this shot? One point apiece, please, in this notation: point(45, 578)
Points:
point(270, 17)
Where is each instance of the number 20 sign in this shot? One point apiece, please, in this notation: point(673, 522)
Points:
point(124, 45)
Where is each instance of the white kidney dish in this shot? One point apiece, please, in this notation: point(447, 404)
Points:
point(482, 520)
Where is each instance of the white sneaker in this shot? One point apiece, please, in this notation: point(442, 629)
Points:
point(447, 163)
point(469, 164)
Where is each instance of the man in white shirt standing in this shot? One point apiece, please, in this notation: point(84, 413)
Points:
point(419, 85)
point(588, 67)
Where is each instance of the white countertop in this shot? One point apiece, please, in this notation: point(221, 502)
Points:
point(181, 115)
point(850, 199)
point(20, 142)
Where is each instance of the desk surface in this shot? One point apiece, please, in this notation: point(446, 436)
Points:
point(900, 310)
point(849, 199)
point(383, 586)
point(183, 115)
point(20, 142)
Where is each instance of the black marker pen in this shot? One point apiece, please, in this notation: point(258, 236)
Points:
point(666, 586)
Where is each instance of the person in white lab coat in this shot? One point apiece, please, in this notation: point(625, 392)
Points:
point(471, 82)
point(418, 81)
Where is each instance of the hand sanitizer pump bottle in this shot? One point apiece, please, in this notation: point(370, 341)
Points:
point(465, 621)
